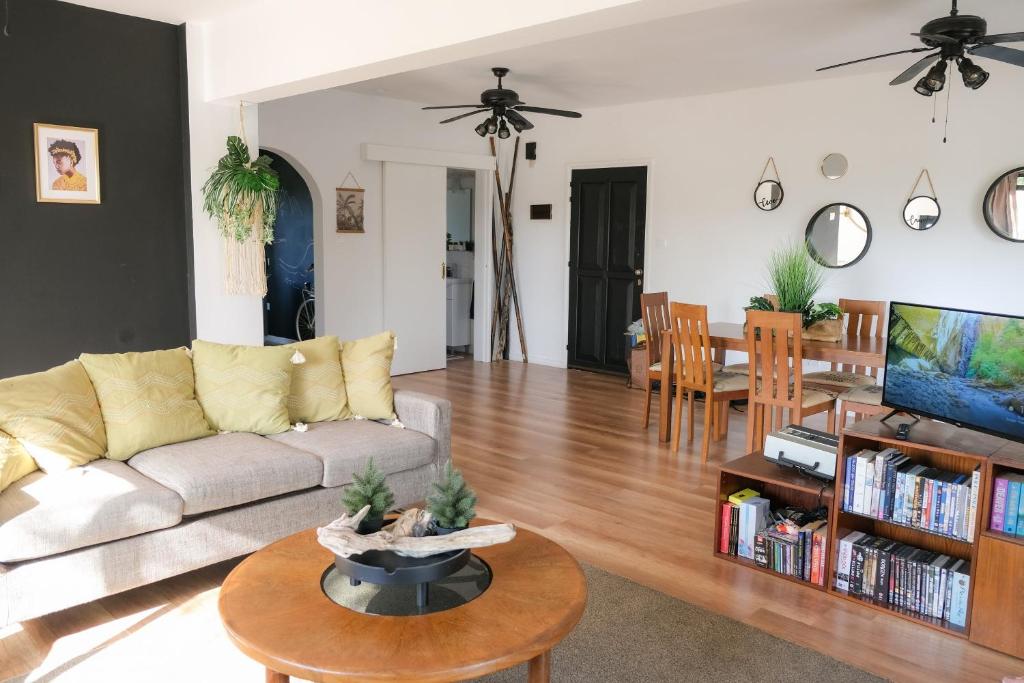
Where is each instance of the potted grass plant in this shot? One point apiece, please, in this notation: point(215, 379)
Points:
point(369, 488)
point(795, 279)
point(453, 503)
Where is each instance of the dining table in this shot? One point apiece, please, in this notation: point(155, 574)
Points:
point(851, 349)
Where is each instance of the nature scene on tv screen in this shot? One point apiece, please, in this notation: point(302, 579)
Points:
point(965, 367)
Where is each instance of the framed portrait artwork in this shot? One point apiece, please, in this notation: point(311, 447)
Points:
point(350, 209)
point(67, 164)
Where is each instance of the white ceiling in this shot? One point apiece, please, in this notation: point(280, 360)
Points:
point(171, 11)
point(751, 44)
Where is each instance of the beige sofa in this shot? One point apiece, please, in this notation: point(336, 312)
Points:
point(108, 526)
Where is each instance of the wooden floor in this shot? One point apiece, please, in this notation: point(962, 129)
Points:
point(560, 452)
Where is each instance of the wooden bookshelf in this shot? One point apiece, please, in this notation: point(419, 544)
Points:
point(933, 444)
point(999, 576)
point(782, 486)
point(996, 596)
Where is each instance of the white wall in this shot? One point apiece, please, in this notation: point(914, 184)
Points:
point(707, 242)
point(220, 317)
point(330, 43)
point(323, 132)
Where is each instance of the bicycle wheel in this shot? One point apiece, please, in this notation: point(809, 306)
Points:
point(305, 320)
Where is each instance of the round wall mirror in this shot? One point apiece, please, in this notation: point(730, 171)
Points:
point(1004, 206)
point(838, 235)
point(768, 195)
point(834, 166)
point(921, 212)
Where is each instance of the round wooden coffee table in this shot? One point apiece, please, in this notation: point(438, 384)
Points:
point(276, 612)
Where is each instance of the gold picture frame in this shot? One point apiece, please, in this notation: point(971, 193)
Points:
point(349, 210)
point(67, 164)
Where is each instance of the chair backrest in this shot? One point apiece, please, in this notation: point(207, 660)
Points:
point(655, 314)
point(773, 339)
point(865, 319)
point(691, 346)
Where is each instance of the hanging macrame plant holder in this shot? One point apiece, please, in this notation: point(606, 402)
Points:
point(241, 195)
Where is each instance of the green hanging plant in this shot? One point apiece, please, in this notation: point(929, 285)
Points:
point(368, 488)
point(453, 503)
point(241, 194)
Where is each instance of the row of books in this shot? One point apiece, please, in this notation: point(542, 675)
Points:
point(790, 541)
point(889, 486)
point(889, 572)
point(797, 551)
point(1008, 504)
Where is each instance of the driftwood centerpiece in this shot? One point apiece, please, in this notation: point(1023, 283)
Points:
point(406, 536)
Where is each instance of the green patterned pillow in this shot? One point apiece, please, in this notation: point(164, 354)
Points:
point(147, 399)
point(367, 366)
point(243, 388)
point(318, 385)
point(55, 416)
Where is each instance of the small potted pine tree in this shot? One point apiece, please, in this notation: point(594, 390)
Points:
point(369, 488)
point(453, 503)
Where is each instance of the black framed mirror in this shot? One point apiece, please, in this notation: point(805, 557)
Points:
point(1004, 206)
point(922, 212)
point(838, 235)
point(768, 195)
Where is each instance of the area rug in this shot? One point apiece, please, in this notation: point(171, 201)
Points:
point(635, 634)
point(628, 633)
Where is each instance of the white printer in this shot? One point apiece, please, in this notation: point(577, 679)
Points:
point(807, 450)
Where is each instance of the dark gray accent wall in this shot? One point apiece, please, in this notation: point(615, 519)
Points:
point(99, 278)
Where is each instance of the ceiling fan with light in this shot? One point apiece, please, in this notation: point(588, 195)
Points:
point(504, 106)
point(955, 38)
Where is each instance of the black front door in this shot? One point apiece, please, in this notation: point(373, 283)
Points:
point(606, 264)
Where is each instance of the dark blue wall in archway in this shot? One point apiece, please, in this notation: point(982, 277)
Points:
point(290, 257)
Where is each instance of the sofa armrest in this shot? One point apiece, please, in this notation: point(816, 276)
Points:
point(431, 416)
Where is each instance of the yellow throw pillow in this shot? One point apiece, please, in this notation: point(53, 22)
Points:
point(55, 416)
point(243, 388)
point(146, 399)
point(15, 462)
point(318, 385)
point(367, 366)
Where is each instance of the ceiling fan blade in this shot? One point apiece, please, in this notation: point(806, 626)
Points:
point(468, 113)
point(999, 53)
point(1002, 38)
point(518, 119)
point(553, 112)
point(866, 59)
point(458, 106)
point(936, 38)
point(915, 68)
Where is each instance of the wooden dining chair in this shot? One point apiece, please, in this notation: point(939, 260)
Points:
point(864, 319)
point(858, 388)
point(654, 308)
point(744, 368)
point(769, 336)
point(695, 371)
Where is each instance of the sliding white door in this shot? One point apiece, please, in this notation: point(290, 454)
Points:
point(414, 255)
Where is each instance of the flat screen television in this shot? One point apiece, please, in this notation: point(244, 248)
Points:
point(957, 366)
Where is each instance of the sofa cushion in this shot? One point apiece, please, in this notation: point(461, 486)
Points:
point(243, 388)
point(147, 399)
point(318, 385)
point(15, 462)
point(228, 469)
point(55, 416)
point(46, 514)
point(367, 366)
point(345, 447)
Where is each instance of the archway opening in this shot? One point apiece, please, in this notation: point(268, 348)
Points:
point(288, 308)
